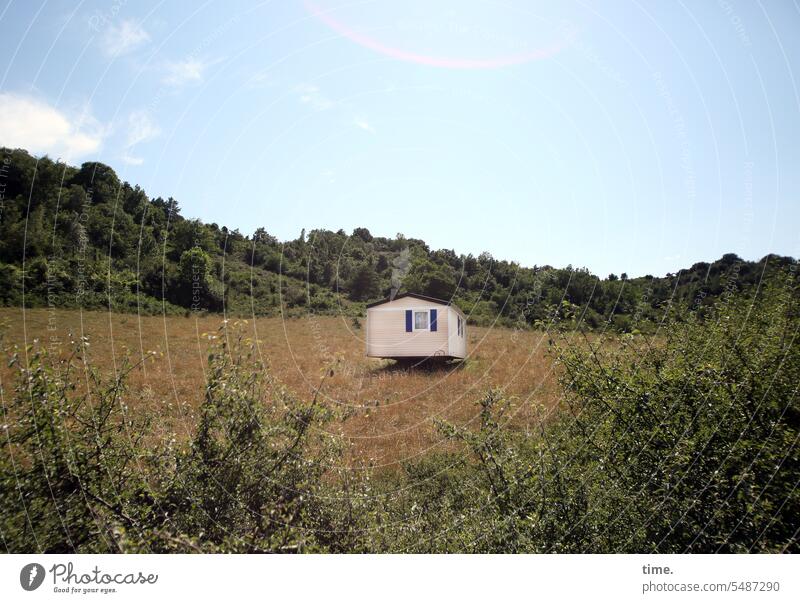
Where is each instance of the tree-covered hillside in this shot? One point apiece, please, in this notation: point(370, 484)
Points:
point(80, 237)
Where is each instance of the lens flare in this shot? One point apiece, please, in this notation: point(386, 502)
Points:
point(326, 17)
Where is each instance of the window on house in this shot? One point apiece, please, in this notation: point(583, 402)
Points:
point(459, 326)
point(420, 321)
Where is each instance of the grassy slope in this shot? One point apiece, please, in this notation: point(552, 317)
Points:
point(391, 411)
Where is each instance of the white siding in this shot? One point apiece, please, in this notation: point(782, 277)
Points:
point(456, 342)
point(387, 336)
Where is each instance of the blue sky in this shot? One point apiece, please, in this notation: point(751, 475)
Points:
point(634, 137)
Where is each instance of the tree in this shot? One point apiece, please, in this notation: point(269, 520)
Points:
point(427, 278)
point(383, 263)
point(100, 179)
point(195, 287)
point(363, 234)
point(364, 283)
point(187, 234)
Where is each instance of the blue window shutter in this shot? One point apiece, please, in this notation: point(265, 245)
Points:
point(409, 319)
point(433, 319)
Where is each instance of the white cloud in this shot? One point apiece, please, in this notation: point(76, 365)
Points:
point(131, 160)
point(187, 71)
point(34, 125)
point(141, 128)
point(122, 38)
point(310, 95)
point(364, 125)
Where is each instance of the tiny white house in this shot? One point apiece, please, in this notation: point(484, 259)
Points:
point(415, 326)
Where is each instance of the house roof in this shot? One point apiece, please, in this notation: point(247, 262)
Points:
point(434, 300)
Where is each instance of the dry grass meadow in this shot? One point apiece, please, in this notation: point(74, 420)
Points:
point(390, 411)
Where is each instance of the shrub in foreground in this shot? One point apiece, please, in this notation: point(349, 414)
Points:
point(686, 442)
point(683, 442)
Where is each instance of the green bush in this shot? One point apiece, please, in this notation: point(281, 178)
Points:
point(259, 475)
point(681, 442)
point(68, 474)
point(686, 442)
point(251, 481)
point(690, 445)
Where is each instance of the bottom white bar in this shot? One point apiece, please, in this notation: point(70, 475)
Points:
point(400, 578)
